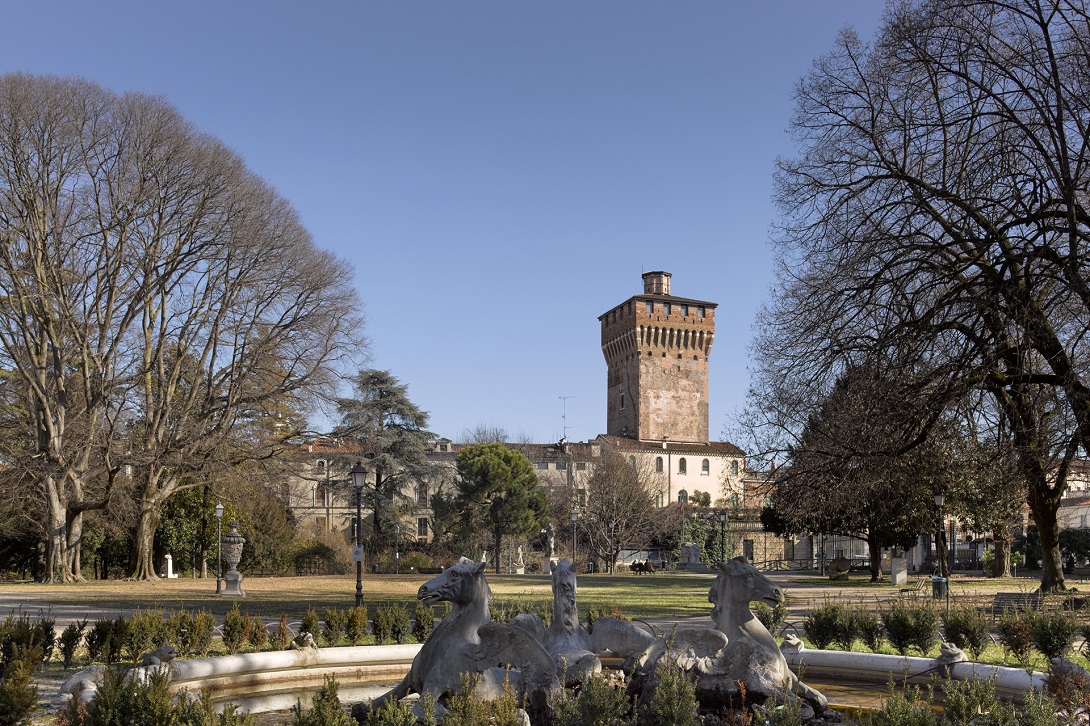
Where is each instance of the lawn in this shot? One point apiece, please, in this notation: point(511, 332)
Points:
point(645, 596)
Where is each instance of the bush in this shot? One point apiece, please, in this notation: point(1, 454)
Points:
point(965, 701)
point(310, 623)
point(867, 626)
point(20, 636)
point(355, 626)
point(280, 637)
point(257, 633)
point(204, 626)
point(1053, 633)
point(416, 561)
point(325, 708)
point(904, 708)
point(967, 628)
point(600, 701)
point(1014, 634)
point(674, 702)
point(772, 618)
point(234, 630)
point(142, 632)
point(104, 640)
point(463, 709)
point(393, 713)
point(70, 641)
point(399, 624)
point(381, 626)
point(823, 624)
point(911, 626)
point(423, 621)
point(18, 695)
point(334, 624)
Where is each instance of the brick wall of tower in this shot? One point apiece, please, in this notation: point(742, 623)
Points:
point(657, 367)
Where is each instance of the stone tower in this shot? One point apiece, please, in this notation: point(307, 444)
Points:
point(656, 347)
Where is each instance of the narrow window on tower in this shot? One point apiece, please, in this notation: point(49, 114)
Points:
point(650, 307)
point(699, 311)
point(681, 465)
point(658, 464)
point(666, 308)
point(622, 401)
point(684, 311)
point(705, 468)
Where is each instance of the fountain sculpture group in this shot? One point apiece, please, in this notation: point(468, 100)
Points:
point(736, 653)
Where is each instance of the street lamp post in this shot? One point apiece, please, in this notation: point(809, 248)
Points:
point(723, 533)
point(358, 475)
point(574, 523)
point(219, 547)
point(397, 548)
point(939, 501)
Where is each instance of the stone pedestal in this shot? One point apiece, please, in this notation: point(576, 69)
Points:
point(690, 558)
point(898, 570)
point(170, 567)
point(232, 552)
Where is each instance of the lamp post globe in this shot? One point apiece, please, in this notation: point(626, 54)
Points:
point(219, 547)
point(358, 475)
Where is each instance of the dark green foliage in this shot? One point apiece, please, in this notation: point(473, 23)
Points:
point(19, 637)
point(674, 702)
point(355, 626)
point(257, 633)
point(423, 621)
point(234, 630)
point(1016, 637)
point(400, 626)
point(381, 625)
point(772, 618)
point(393, 713)
point(911, 626)
point(823, 624)
point(325, 708)
point(204, 626)
point(70, 640)
point(142, 633)
point(504, 610)
point(191, 635)
point(967, 628)
point(106, 639)
point(18, 696)
point(600, 702)
point(869, 629)
point(334, 623)
point(964, 703)
point(310, 623)
point(1053, 633)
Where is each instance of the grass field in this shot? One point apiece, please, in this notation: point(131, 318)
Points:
point(645, 596)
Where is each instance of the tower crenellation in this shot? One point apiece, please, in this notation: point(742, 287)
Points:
point(656, 347)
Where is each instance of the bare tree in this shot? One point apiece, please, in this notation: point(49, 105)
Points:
point(938, 207)
point(620, 510)
point(157, 297)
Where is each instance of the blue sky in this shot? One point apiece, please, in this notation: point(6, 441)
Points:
point(499, 173)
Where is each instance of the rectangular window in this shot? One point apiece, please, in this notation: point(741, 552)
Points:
point(421, 526)
point(666, 308)
point(580, 466)
point(622, 401)
point(699, 311)
point(684, 310)
point(561, 466)
point(543, 465)
point(650, 306)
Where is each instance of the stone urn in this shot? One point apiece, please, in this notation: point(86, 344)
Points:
point(232, 553)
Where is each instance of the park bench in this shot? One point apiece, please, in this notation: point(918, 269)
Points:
point(917, 588)
point(1014, 602)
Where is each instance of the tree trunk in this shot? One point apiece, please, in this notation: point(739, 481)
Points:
point(56, 542)
point(497, 537)
point(874, 548)
point(73, 542)
point(143, 567)
point(1044, 516)
point(942, 552)
point(1001, 536)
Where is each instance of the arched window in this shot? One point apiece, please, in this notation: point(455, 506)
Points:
point(705, 468)
point(658, 464)
point(681, 465)
point(734, 467)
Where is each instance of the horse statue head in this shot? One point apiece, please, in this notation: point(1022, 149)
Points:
point(461, 584)
point(736, 585)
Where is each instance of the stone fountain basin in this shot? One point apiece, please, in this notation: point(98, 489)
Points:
point(275, 680)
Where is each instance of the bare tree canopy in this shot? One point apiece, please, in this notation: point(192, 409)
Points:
point(938, 208)
point(158, 299)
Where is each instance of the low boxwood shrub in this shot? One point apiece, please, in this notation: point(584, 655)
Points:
point(911, 625)
point(823, 624)
point(18, 694)
point(310, 623)
point(333, 625)
point(869, 629)
point(325, 708)
point(1016, 637)
point(598, 701)
point(1053, 633)
point(400, 624)
point(967, 628)
point(423, 621)
point(70, 641)
point(772, 618)
point(355, 626)
point(382, 626)
point(257, 633)
point(142, 632)
point(234, 630)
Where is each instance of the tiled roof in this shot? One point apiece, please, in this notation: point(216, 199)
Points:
point(723, 448)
